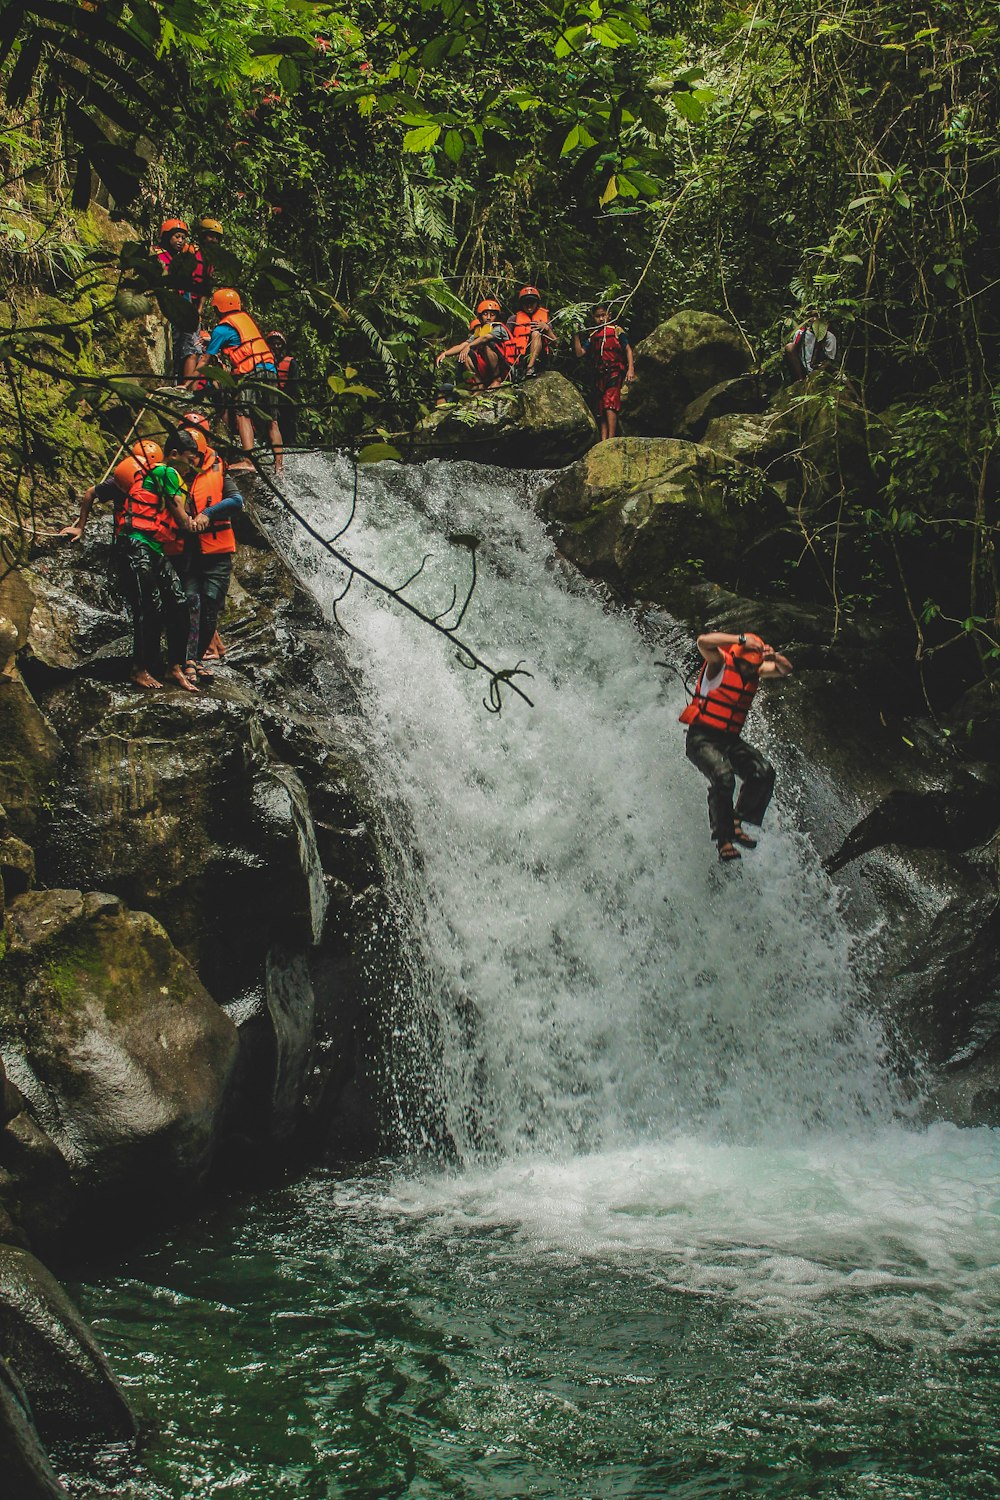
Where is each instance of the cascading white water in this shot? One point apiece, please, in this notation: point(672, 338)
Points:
point(595, 979)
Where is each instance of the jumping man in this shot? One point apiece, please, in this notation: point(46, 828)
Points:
point(733, 668)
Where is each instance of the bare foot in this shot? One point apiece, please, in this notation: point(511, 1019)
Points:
point(177, 675)
point(144, 679)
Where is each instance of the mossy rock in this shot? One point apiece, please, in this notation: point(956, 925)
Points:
point(540, 423)
point(679, 361)
point(121, 1053)
point(650, 511)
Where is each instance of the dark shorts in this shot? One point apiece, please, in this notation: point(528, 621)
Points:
point(258, 396)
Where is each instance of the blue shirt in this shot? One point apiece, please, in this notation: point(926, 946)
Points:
point(224, 337)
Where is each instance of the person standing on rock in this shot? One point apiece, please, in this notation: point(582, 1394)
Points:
point(612, 367)
point(237, 341)
point(145, 527)
point(813, 346)
point(733, 668)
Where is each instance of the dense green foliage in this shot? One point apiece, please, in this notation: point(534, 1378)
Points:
point(379, 167)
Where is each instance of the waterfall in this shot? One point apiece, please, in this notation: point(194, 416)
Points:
point(586, 976)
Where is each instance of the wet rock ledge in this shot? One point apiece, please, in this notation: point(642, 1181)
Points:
point(195, 928)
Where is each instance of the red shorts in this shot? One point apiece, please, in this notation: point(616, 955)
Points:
point(609, 397)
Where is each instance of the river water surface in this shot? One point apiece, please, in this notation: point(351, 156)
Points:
point(684, 1240)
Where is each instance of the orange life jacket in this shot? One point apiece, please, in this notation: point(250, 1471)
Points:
point(283, 370)
point(253, 349)
point(143, 510)
point(522, 326)
point(501, 339)
point(725, 706)
point(206, 490)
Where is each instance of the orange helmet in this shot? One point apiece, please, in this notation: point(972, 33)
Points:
point(169, 225)
point(529, 291)
point(147, 452)
point(200, 439)
point(210, 226)
point(195, 419)
point(488, 305)
point(226, 300)
point(752, 655)
point(126, 473)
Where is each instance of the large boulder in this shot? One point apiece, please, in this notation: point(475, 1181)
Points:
point(814, 441)
point(120, 1052)
point(29, 755)
point(540, 423)
point(678, 362)
point(24, 1464)
point(55, 1357)
point(645, 511)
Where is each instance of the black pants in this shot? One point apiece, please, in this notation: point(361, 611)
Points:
point(155, 598)
point(206, 580)
point(722, 757)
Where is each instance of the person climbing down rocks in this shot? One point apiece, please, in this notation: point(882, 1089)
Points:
point(238, 341)
point(112, 490)
point(488, 353)
point(609, 356)
point(185, 270)
point(531, 332)
point(813, 346)
point(733, 667)
point(214, 499)
point(146, 525)
point(288, 386)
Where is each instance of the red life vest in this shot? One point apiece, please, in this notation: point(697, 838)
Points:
point(501, 339)
point(206, 490)
point(252, 350)
point(606, 350)
point(283, 370)
point(144, 511)
point(522, 326)
point(725, 706)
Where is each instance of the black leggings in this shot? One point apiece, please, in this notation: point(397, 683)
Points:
point(722, 757)
point(206, 579)
point(155, 598)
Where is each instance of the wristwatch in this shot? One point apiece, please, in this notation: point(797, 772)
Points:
point(742, 640)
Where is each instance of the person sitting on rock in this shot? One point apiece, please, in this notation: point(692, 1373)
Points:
point(813, 346)
point(237, 341)
point(733, 667)
point(150, 516)
point(531, 332)
point(115, 486)
point(608, 352)
point(488, 352)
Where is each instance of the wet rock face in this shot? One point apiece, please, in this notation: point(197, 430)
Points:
point(645, 510)
point(680, 360)
point(540, 423)
point(24, 1464)
point(52, 1352)
point(121, 1054)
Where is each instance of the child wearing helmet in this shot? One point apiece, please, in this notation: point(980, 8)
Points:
point(488, 352)
point(608, 352)
point(531, 331)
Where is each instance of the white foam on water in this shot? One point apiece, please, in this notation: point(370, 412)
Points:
point(631, 1047)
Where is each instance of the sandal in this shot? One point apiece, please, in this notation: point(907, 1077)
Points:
point(728, 852)
point(194, 669)
point(739, 837)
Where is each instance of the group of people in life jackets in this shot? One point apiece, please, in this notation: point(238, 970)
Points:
point(172, 555)
point(517, 346)
point(265, 373)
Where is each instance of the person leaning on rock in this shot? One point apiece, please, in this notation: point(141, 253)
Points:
point(733, 667)
point(813, 346)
